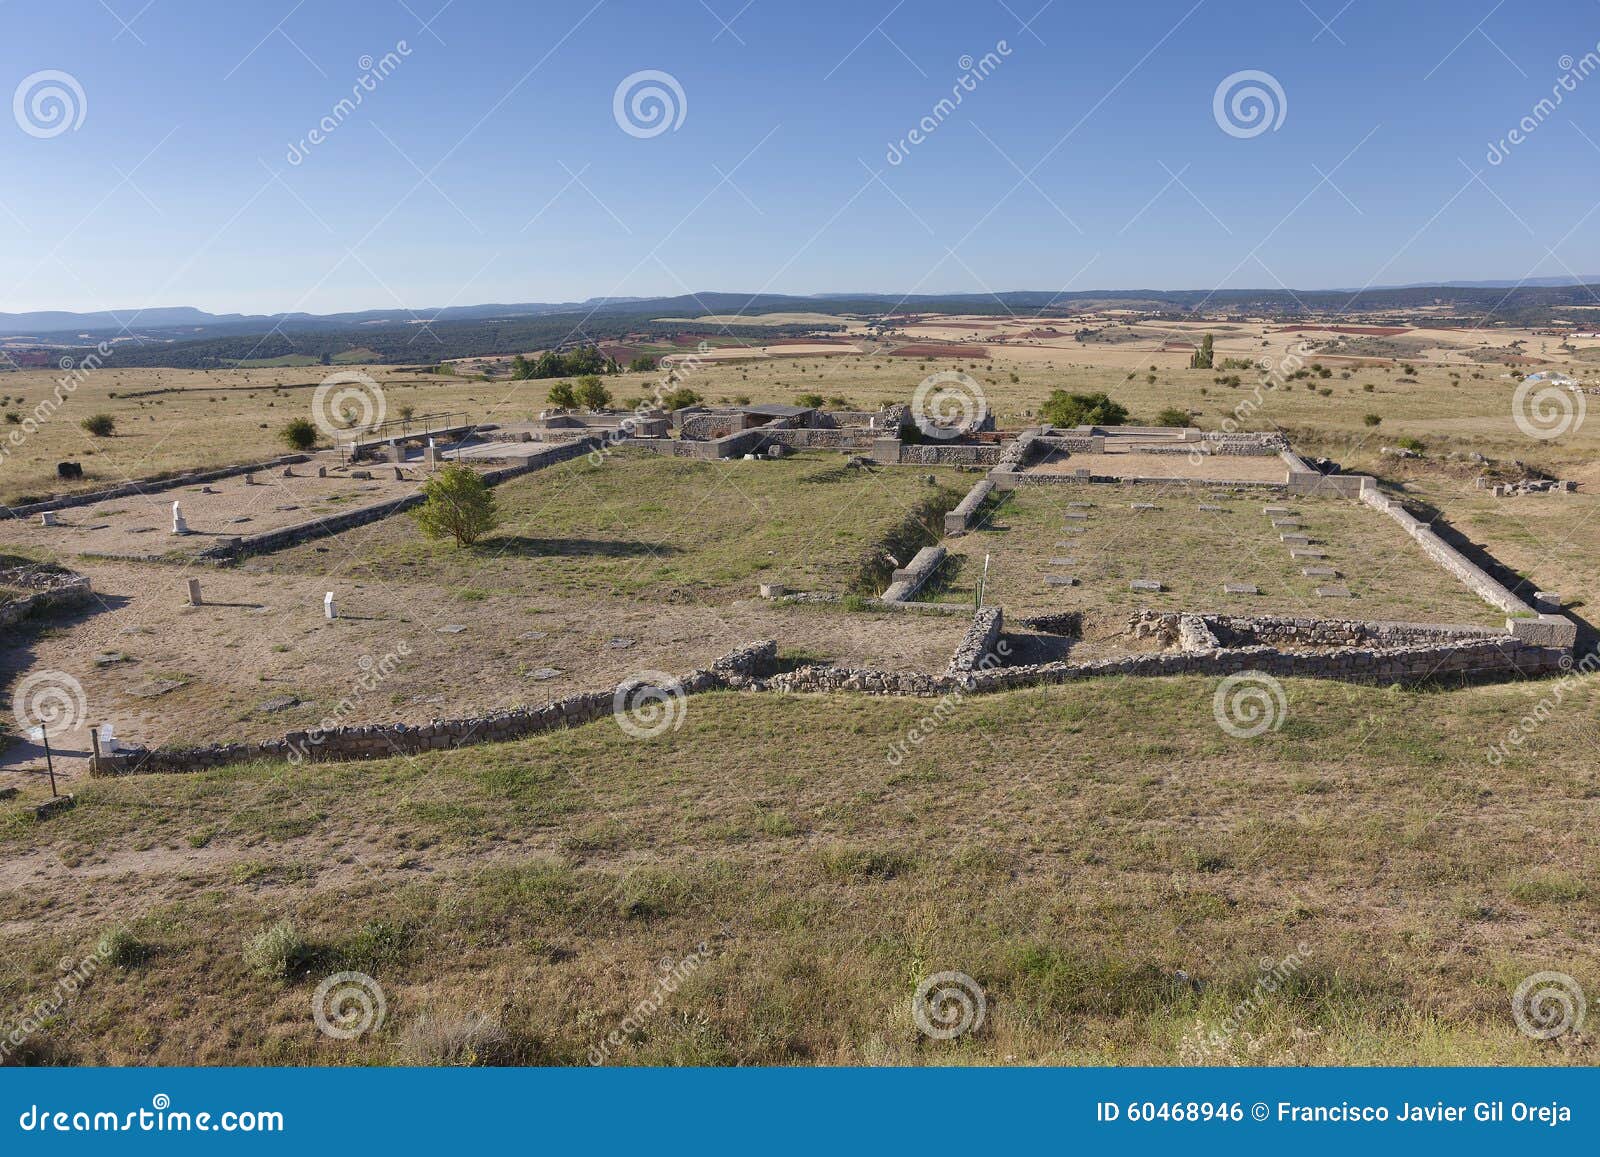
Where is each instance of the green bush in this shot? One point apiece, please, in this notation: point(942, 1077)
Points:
point(457, 504)
point(100, 425)
point(299, 434)
point(1372, 419)
point(1064, 409)
point(681, 397)
point(1172, 416)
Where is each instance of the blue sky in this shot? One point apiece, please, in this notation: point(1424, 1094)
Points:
point(488, 165)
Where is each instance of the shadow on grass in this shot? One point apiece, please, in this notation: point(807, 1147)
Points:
point(522, 546)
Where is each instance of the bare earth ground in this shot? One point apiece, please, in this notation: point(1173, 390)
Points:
point(1132, 464)
point(229, 507)
point(262, 639)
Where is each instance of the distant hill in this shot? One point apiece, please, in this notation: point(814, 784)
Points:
point(182, 336)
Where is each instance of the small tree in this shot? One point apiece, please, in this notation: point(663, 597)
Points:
point(1172, 416)
point(561, 395)
point(100, 425)
point(457, 504)
point(644, 363)
point(591, 393)
point(1064, 409)
point(681, 397)
point(1202, 356)
point(810, 401)
point(299, 434)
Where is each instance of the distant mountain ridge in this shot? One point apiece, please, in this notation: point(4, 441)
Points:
point(171, 318)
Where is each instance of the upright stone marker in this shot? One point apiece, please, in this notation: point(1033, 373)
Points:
point(194, 593)
point(328, 609)
point(48, 518)
point(179, 526)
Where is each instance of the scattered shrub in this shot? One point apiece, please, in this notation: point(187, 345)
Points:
point(100, 425)
point(455, 1039)
point(299, 434)
point(277, 952)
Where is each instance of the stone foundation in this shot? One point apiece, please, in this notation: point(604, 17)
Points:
point(52, 590)
point(377, 741)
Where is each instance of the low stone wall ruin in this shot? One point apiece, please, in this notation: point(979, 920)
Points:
point(977, 649)
point(910, 579)
point(52, 590)
point(231, 550)
point(147, 486)
point(958, 520)
point(377, 741)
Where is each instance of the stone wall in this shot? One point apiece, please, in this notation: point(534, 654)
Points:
point(1464, 660)
point(51, 590)
point(949, 454)
point(958, 520)
point(909, 579)
point(1208, 631)
point(823, 438)
point(231, 550)
point(1479, 581)
point(737, 669)
point(976, 651)
point(147, 486)
point(706, 427)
